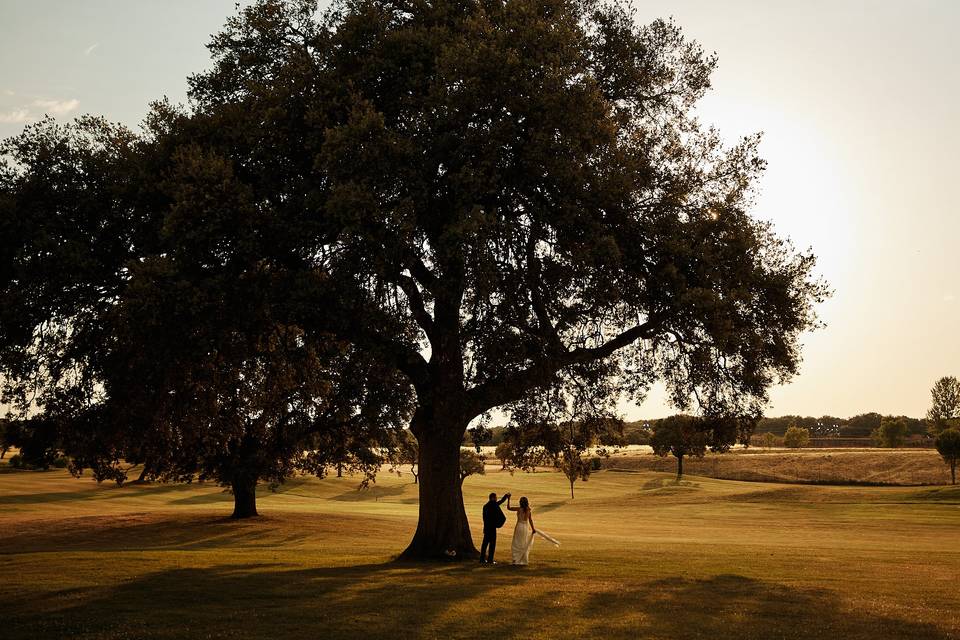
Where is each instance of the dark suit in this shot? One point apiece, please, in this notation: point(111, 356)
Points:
point(493, 519)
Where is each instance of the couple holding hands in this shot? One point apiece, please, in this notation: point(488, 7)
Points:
point(523, 533)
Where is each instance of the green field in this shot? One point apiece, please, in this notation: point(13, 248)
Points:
point(642, 556)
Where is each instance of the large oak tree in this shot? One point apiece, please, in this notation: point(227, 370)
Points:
point(146, 319)
point(497, 201)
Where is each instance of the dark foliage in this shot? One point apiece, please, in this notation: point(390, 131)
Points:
point(507, 204)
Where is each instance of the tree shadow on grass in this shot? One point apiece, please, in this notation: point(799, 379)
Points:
point(670, 484)
point(222, 593)
point(149, 532)
point(742, 608)
point(99, 492)
point(550, 506)
point(373, 493)
point(276, 601)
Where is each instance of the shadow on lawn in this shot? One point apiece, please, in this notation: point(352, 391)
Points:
point(106, 491)
point(226, 596)
point(442, 601)
point(733, 606)
point(153, 532)
point(373, 493)
point(276, 601)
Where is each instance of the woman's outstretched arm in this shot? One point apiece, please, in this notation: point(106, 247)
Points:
point(533, 529)
point(509, 508)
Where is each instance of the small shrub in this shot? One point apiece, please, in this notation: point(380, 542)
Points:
point(60, 462)
point(796, 437)
point(16, 461)
point(596, 464)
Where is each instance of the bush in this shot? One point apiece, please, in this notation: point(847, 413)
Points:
point(596, 464)
point(766, 439)
point(16, 461)
point(891, 433)
point(796, 437)
point(60, 462)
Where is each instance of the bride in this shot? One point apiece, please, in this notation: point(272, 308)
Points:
point(524, 531)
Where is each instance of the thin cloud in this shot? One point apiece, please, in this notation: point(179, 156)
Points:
point(57, 107)
point(91, 48)
point(15, 117)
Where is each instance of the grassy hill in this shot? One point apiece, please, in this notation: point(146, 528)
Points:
point(830, 466)
point(642, 556)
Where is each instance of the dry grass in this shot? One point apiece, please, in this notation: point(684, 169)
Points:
point(642, 556)
point(911, 467)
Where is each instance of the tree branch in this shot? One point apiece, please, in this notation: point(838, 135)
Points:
point(511, 386)
point(417, 307)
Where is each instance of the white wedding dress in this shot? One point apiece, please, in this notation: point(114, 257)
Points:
point(522, 539)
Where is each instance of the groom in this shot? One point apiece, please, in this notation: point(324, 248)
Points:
point(493, 519)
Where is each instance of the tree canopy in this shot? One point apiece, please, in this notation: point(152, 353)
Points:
point(484, 204)
point(796, 437)
point(685, 435)
point(945, 404)
point(149, 321)
point(948, 446)
point(891, 433)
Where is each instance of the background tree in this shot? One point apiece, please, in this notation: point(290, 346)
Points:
point(861, 425)
point(796, 437)
point(945, 405)
point(559, 427)
point(574, 466)
point(948, 446)
point(408, 453)
point(891, 433)
point(503, 453)
point(37, 441)
point(681, 436)
point(768, 440)
point(535, 218)
point(471, 463)
point(4, 441)
point(636, 433)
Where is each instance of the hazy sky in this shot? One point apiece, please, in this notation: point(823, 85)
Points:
point(859, 102)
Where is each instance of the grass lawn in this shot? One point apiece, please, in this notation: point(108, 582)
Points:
point(642, 557)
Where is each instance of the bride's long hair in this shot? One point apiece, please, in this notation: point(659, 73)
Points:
point(525, 504)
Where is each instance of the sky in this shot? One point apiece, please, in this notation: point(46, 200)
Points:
point(858, 101)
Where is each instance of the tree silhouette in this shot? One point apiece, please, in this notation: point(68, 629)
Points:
point(948, 446)
point(945, 405)
point(150, 321)
point(681, 436)
point(471, 463)
point(891, 433)
point(496, 201)
point(796, 437)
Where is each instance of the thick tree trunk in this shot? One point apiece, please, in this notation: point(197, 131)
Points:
point(244, 496)
point(571, 489)
point(953, 472)
point(443, 531)
point(679, 467)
